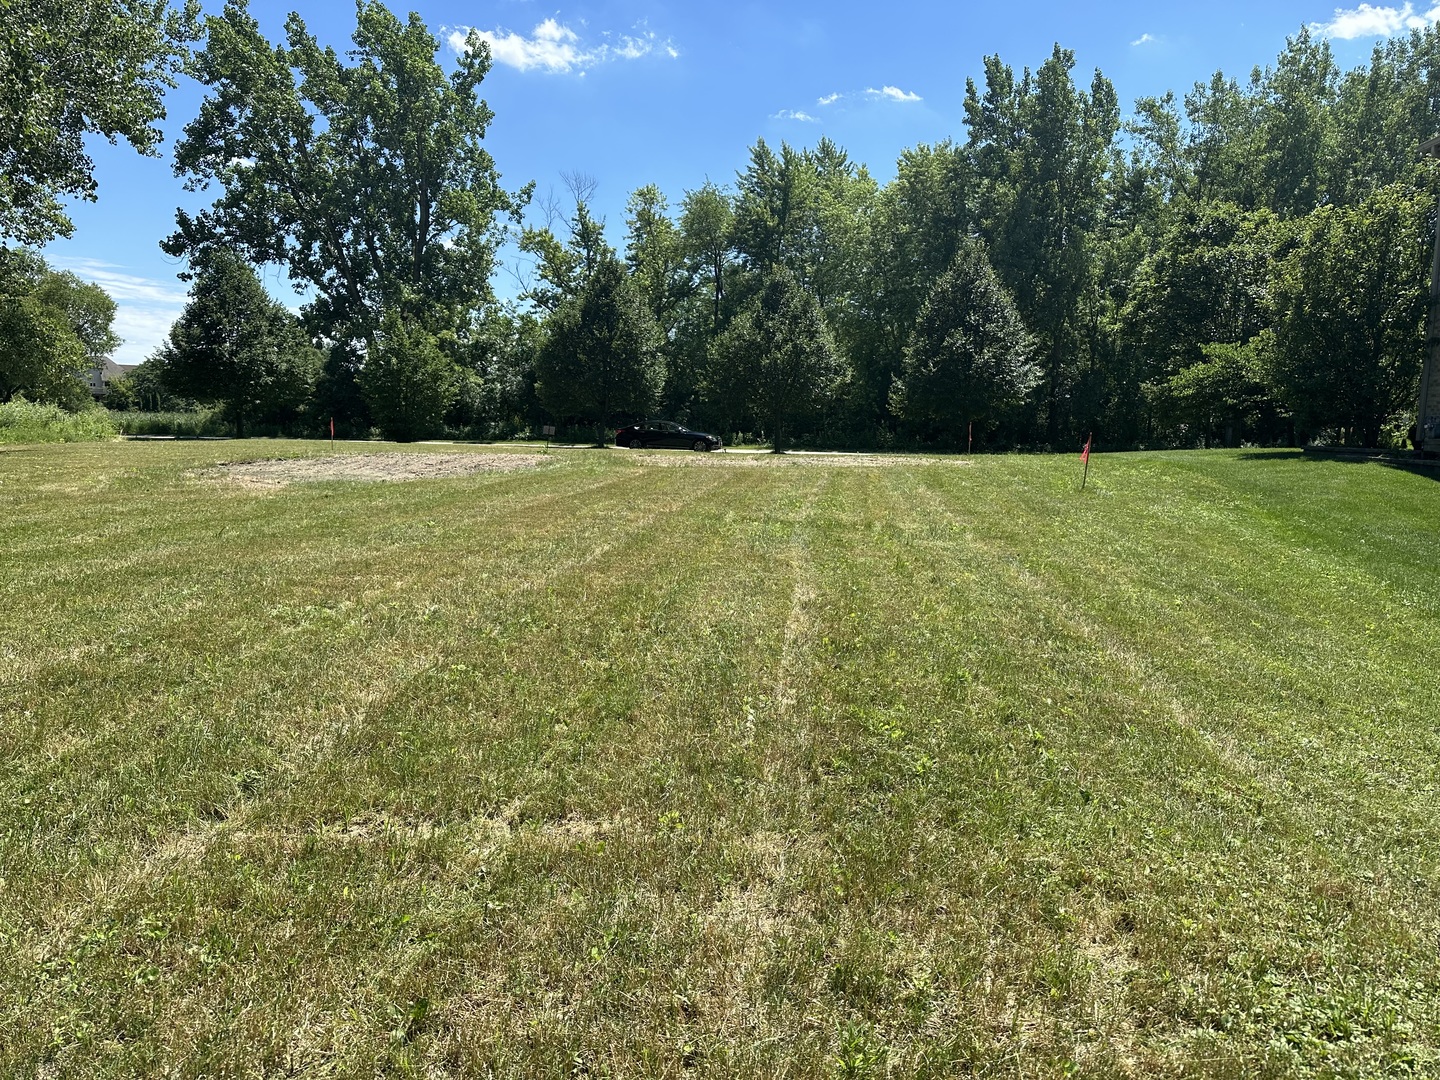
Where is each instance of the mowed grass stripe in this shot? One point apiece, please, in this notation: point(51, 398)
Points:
point(318, 589)
point(228, 683)
point(1359, 853)
point(1308, 684)
point(394, 728)
point(937, 780)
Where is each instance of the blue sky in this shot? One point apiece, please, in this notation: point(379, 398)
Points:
point(640, 91)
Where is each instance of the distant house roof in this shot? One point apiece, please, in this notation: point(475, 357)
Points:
point(99, 377)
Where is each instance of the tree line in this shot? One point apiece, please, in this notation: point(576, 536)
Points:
point(1246, 263)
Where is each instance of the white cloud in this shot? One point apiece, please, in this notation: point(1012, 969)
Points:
point(795, 114)
point(555, 48)
point(891, 93)
point(144, 308)
point(1144, 39)
point(885, 93)
point(1370, 21)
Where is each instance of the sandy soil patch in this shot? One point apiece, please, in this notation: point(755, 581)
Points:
point(282, 471)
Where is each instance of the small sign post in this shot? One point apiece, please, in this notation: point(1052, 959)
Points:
point(549, 430)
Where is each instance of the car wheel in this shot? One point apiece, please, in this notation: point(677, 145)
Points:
point(636, 444)
point(700, 444)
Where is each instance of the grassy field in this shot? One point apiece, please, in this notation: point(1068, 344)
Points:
point(672, 765)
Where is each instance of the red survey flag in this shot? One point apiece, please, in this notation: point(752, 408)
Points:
point(1085, 454)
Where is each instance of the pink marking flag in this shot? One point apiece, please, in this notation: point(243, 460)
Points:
point(1085, 460)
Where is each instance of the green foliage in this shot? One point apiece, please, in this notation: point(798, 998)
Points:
point(143, 389)
point(73, 69)
point(368, 180)
point(1225, 397)
point(184, 423)
point(1042, 151)
point(968, 358)
point(53, 328)
point(779, 357)
point(409, 381)
point(601, 358)
point(1350, 306)
point(655, 255)
point(497, 398)
point(235, 346)
point(922, 218)
point(563, 268)
point(24, 421)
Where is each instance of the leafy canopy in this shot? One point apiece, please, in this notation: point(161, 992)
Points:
point(72, 68)
point(367, 179)
point(53, 328)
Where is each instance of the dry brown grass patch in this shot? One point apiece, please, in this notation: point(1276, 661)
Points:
point(281, 472)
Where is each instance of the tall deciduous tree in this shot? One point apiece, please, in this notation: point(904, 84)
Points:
point(53, 327)
point(236, 347)
point(968, 357)
point(707, 221)
point(601, 356)
point(1350, 304)
point(72, 68)
point(923, 217)
point(367, 179)
point(655, 255)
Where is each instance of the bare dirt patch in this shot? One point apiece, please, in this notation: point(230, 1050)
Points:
point(279, 472)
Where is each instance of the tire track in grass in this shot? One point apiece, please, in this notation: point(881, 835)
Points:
point(802, 598)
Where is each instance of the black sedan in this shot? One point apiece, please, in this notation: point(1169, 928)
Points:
point(653, 433)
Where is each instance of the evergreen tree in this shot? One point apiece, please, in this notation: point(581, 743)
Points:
point(236, 347)
point(781, 352)
point(968, 358)
point(408, 380)
point(601, 358)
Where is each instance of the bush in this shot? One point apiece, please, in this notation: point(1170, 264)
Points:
point(183, 424)
point(24, 421)
point(409, 382)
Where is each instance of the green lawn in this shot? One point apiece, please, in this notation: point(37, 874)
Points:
point(671, 765)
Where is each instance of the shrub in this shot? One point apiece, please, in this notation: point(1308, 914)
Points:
point(24, 421)
point(182, 424)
